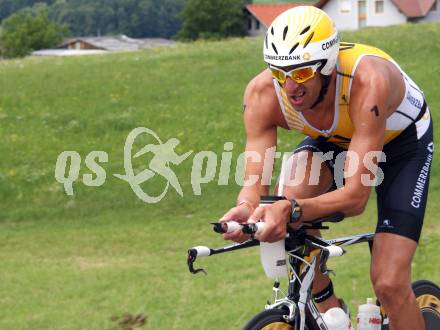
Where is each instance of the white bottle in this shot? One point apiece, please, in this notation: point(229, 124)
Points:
point(369, 317)
point(336, 319)
point(273, 259)
point(273, 255)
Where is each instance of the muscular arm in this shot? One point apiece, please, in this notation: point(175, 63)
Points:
point(370, 106)
point(260, 104)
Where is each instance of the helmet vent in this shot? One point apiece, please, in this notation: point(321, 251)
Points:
point(271, 31)
point(305, 30)
point(293, 48)
point(309, 39)
point(265, 41)
point(274, 48)
point(285, 32)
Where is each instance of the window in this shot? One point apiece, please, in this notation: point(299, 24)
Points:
point(250, 23)
point(378, 6)
point(345, 6)
point(362, 13)
point(258, 25)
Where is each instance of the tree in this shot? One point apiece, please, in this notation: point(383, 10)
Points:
point(29, 29)
point(8, 7)
point(212, 19)
point(135, 18)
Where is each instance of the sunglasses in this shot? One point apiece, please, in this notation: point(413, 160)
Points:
point(298, 75)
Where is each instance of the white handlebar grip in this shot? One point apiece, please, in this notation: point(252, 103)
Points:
point(202, 251)
point(260, 227)
point(334, 251)
point(232, 226)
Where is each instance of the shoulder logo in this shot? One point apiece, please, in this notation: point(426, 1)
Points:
point(307, 56)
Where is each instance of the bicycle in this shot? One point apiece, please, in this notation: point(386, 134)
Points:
point(296, 310)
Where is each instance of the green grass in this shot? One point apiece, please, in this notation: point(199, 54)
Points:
point(74, 262)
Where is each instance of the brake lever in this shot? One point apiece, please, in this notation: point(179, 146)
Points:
point(323, 257)
point(323, 263)
point(192, 256)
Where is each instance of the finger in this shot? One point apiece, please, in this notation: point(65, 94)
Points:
point(237, 213)
point(263, 235)
point(270, 231)
point(228, 216)
point(231, 236)
point(257, 215)
point(236, 236)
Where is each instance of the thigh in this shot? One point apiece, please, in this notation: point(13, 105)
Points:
point(309, 171)
point(402, 196)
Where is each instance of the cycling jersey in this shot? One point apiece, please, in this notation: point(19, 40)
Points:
point(410, 110)
point(402, 195)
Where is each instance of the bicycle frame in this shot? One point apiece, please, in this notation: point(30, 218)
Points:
point(303, 251)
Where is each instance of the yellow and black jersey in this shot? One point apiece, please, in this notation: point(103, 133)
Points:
point(411, 110)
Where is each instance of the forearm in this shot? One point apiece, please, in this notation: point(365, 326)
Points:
point(252, 194)
point(348, 202)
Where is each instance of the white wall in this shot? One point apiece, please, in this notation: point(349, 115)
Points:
point(391, 14)
point(343, 21)
point(434, 15)
point(349, 20)
point(254, 23)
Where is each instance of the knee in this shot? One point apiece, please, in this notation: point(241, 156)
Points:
point(391, 289)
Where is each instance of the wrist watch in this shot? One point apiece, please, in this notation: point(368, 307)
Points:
point(296, 211)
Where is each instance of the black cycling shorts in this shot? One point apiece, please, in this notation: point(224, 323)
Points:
point(402, 195)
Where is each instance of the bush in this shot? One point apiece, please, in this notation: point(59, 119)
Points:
point(27, 30)
point(212, 19)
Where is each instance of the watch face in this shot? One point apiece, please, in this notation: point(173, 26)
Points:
point(296, 212)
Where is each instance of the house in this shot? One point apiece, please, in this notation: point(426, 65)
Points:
point(117, 43)
point(259, 16)
point(100, 45)
point(349, 14)
point(355, 14)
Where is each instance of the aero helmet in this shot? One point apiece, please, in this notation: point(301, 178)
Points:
point(302, 35)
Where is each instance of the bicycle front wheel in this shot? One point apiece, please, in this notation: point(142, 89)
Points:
point(271, 319)
point(428, 298)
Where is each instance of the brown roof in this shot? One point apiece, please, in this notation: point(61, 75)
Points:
point(267, 12)
point(414, 8)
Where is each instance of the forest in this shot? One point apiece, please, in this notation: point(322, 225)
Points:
point(135, 18)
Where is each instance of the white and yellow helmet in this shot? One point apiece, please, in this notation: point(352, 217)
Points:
point(302, 35)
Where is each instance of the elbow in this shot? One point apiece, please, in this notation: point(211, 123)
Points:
point(356, 210)
point(358, 202)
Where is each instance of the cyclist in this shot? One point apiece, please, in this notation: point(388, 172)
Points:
point(346, 98)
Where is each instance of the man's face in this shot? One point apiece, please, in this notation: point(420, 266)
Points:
point(302, 96)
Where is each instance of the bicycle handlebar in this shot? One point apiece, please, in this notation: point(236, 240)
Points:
point(255, 228)
point(226, 227)
point(204, 251)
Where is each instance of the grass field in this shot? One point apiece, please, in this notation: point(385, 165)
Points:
point(73, 262)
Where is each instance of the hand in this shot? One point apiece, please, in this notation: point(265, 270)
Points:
point(240, 214)
point(275, 217)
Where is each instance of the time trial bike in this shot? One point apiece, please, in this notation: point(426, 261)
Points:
point(295, 309)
